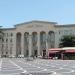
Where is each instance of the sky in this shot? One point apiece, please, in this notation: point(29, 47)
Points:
point(18, 11)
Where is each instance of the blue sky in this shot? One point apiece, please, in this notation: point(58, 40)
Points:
point(17, 11)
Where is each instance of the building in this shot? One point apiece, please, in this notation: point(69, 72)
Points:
point(33, 38)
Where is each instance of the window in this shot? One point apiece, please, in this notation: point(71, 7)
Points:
point(2, 40)
point(2, 52)
point(11, 34)
point(6, 52)
point(2, 45)
point(6, 40)
point(70, 32)
point(10, 40)
point(66, 32)
point(7, 34)
point(4, 34)
point(10, 50)
point(60, 32)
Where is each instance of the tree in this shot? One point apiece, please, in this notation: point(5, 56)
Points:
point(67, 41)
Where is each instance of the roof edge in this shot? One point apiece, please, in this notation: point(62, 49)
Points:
point(35, 21)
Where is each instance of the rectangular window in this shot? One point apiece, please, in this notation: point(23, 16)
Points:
point(2, 40)
point(6, 40)
point(7, 34)
point(11, 40)
point(11, 34)
point(10, 50)
point(65, 32)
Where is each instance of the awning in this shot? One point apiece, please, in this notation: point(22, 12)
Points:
point(55, 49)
point(70, 50)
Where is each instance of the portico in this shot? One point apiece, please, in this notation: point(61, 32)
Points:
point(31, 44)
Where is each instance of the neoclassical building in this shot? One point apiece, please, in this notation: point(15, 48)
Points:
point(33, 38)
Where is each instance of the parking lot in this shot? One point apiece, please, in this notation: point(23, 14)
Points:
point(20, 66)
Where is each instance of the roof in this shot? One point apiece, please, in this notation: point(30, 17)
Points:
point(36, 21)
point(65, 25)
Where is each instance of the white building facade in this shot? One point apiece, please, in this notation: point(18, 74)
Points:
point(33, 38)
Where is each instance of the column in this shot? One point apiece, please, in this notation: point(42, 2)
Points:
point(14, 45)
point(46, 43)
point(22, 44)
point(30, 44)
point(9, 46)
point(0, 47)
point(38, 43)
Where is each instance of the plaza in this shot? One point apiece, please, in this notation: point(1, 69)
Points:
point(20, 66)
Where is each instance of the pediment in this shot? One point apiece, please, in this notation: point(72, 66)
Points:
point(35, 24)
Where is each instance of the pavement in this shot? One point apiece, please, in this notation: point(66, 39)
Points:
point(21, 66)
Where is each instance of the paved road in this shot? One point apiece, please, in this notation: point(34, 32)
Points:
point(20, 66)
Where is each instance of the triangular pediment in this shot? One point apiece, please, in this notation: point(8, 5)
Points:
point(35, 23)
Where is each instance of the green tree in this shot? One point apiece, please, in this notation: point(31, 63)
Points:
point(67, 41)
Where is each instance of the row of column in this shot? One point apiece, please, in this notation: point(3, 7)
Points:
point(30, 44)
point(38, 43)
